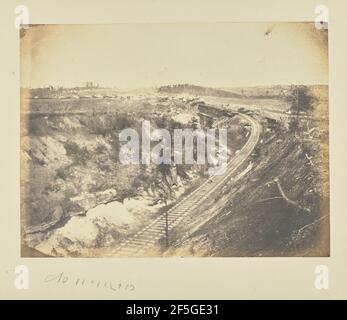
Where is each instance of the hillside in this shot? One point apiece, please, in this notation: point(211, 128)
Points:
point(197, 91)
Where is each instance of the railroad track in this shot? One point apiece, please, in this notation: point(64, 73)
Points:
point(146, 239)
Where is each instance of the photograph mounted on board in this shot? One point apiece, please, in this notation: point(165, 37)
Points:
point(174, 140)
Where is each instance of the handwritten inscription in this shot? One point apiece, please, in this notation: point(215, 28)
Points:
point(62, 278)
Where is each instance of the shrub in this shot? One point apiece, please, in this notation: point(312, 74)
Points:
point(77, 153)
point(63, 173)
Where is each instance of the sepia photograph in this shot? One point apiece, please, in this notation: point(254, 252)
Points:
point(174, 140)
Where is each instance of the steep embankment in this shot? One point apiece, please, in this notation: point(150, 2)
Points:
point(280, 207)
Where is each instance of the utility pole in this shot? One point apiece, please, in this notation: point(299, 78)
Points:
point(166, 226)
point(165, 195)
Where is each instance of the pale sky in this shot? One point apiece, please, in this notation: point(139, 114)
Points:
point(142, 55)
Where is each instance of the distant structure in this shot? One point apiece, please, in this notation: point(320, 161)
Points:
point(91, 85)
point(52, 88)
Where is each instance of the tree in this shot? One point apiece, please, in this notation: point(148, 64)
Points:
point(301, 101)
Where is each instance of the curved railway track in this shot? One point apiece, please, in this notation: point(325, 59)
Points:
point(147, 238)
